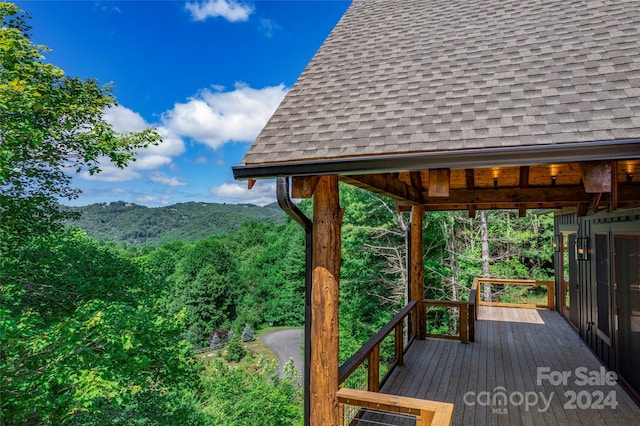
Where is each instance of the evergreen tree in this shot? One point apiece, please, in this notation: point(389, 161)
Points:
point(247, 334)
point(235, 351)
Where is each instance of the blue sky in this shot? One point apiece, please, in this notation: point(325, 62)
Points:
point(208, 74)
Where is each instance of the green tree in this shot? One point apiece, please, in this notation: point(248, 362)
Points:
point(373, 272)
point(235, 351)
point(238, 397)
point(82, 342)
point(204, 283)
point(271, 271)
point(248, 334)
point(50, 125)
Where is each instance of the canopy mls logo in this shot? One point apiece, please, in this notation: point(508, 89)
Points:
point(594, 398)
point(499, 400)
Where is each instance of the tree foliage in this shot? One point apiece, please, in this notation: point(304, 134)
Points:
point(50, 125)
point(130, 224)
point(204, 283)
point(94, 334)
point(235, 351)
point(238, 397)
point(248, 334)
point(82, 342)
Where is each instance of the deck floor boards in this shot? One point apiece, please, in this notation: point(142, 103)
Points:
point(511, 344)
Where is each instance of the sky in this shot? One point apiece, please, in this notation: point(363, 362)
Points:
point(207, 74)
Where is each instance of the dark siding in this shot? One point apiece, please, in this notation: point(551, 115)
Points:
point(587, 226)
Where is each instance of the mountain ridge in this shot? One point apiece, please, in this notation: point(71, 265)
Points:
point(133, 224)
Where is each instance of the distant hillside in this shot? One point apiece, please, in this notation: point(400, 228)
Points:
point(132, 224)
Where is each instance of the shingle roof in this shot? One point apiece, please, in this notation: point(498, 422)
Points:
point(417, 76)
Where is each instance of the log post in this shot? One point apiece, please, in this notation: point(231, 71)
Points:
point(327, 222)
point(417, 268)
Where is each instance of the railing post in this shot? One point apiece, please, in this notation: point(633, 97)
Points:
point(464, 322)
point(425, 418)
point(472, 322)
point(399, 344)
point(374, 369)
point(551, 292)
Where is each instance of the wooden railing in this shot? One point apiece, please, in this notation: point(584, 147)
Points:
point(425, 412)
point(370, 351)
point(367, 398)
point(466, 318)
point(478, 282)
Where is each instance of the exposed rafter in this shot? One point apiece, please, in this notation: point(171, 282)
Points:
point(387, 184)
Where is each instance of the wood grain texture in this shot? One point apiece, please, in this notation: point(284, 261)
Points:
point(510, 345)
point(327, 221)
point(417, 267)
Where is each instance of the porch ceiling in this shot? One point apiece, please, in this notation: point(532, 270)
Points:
point(583, 186)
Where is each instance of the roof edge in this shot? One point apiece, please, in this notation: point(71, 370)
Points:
point(461, 159)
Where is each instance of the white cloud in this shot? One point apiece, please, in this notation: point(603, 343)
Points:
point(230, 10)
point(123, 120)
point(262, 193)
point(111, 173)
point(201, 160)
point(171, 145)
point(163, 179)
point(269, 27)
point(151, 199)
point(216, 117)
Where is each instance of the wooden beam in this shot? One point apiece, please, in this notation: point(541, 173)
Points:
point(629, 191)
point(502, 206)
point(327, 223)
point(471, 185)
point(614, 186)
point(524, 183)
point(416, 182)
point(596, 202)
point(524, 177)
point(250, 183)
point(522, 210)
point(303, 186)
point(417, 268)
point(439, 182)
point(583, 208)
point(387, 184)
point(470, 177)
point(509, 196)
point(596, 176)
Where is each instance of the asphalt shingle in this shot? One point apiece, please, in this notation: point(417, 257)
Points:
point(401, 76)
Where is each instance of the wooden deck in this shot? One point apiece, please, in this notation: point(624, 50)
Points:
point(503, 363)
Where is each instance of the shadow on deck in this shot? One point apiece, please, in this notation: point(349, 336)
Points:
point(500, 378)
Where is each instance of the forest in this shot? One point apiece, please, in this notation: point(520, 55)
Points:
point(97, 332)
point(88, 325)
point(130, 224)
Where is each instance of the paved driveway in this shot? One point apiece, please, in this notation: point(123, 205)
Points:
point(287, 344)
